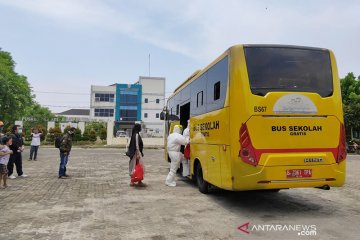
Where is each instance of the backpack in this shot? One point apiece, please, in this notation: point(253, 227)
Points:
point(58, 141)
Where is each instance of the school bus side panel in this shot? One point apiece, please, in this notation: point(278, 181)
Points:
point(238, 110)
point(209, 133)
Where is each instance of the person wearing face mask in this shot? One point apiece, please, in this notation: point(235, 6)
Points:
point(35, 143)
point(17, 147)
point(65, 149)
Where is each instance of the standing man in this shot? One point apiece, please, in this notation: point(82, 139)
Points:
point(35, 143)
point(17, 147)
point(175, 140)
point(65, 148)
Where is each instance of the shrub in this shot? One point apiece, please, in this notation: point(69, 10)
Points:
point(92, 136)
point(103, 134)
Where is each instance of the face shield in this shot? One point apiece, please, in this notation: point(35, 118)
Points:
point(178, 129)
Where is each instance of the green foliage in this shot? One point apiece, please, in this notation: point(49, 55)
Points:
point(103, 134)
point(86, 135)
point(15, 91)
point(92, 136)
point(36, 115)
point(9, 129)
point(77, 136)
point(16, 98)
point(96, 126)
point(53, 133)
point(350, 91)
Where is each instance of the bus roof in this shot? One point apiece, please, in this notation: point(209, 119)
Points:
point(200, 71)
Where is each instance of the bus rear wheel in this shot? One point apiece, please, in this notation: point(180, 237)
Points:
point(202, 184)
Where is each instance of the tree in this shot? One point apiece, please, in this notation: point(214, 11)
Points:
point(350, 91)
point(15, 91)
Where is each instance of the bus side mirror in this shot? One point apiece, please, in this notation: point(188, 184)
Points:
point(162, 116)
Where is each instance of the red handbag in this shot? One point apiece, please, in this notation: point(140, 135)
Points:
point(187, 152)
point(138, 174)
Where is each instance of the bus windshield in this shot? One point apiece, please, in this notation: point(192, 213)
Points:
point(288, 69)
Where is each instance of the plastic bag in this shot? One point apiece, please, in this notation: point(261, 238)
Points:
point(187, 152)
point(138, 174)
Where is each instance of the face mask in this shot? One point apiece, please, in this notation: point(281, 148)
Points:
point(19, 131)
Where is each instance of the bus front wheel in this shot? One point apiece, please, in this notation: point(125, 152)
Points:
point(202, 184)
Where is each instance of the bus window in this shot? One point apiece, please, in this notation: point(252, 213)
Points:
point(286, 69)
point(216, 91)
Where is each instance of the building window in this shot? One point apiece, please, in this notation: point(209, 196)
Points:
point(217, 91)
point(99, 112)
point(157, 100)
point(145, 115)
point(146, 100)
point(128, 98)
point(128, 115)
point(157, 115)
point(104, 97)
point(200, 99)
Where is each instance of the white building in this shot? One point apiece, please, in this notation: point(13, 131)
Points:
point(102, 102)
point(153, 102)
point(126, 104)
point(77, 115)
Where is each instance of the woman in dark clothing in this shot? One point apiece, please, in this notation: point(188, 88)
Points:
point(135, 151)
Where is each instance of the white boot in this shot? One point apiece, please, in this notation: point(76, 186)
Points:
point(185, 168)
point(170, 180)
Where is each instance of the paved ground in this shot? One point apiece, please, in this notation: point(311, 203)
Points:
point(97, 203)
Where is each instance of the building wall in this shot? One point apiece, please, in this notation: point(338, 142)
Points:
point(123, 93)
point(99, 104)
point(80, 118)
point(153, 100)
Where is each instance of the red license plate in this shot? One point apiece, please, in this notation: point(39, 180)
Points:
point(298, 173)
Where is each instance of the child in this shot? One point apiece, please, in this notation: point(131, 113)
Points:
point(4, 159)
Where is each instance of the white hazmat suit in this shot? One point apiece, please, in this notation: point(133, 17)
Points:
point(174, 142)
point(184, 161)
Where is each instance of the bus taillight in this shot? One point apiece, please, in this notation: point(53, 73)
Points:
point(341, 155)
point(247, 151)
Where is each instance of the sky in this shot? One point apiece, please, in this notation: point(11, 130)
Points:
point(65, 46)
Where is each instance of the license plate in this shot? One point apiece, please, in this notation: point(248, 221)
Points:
point(298, 173)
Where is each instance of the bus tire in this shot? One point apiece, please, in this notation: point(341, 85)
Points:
point(202, 184)
point(276, 190)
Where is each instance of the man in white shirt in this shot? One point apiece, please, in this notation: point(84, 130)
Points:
point(35, 143)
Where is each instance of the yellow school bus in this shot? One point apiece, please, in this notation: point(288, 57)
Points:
point(264, 117)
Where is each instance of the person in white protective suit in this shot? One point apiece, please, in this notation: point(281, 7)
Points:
point(174, 142)
point(184, 161)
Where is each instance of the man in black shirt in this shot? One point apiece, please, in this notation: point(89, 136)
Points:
point(17, 147)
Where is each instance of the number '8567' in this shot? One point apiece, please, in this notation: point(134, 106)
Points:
point(260, 109)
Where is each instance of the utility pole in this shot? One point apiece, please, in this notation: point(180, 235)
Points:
point(149, 64)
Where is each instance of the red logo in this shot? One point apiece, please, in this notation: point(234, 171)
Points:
point(244, 228)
